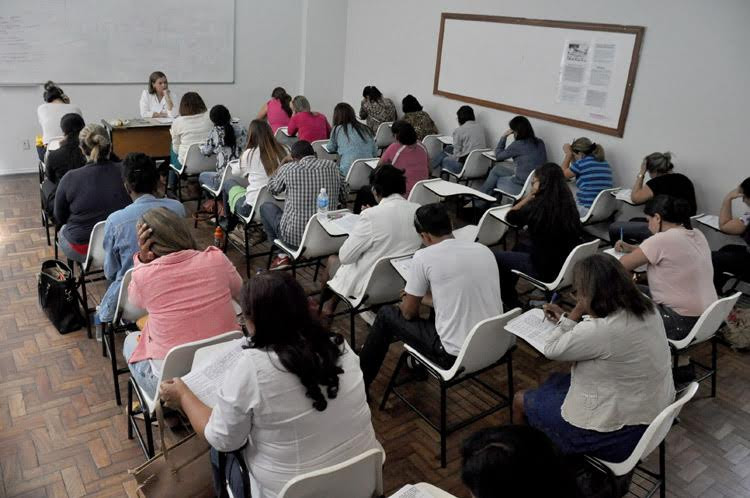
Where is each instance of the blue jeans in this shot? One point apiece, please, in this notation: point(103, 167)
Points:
point(445, 160)
point(66, 248)
point(270, 215)
point(140, 370)
point(209, 179)
point(502, 177)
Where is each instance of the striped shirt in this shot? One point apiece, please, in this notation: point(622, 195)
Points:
point(592, 177)
point(302, 181)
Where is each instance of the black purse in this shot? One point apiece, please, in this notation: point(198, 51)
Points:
point(56, 289)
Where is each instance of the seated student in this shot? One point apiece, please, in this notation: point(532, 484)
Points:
point(188, 293)
point(277, 110)
point(192, 126)
point(386, 229)
point(294, 402)
point(408, 154)
point(301, 178)
point(227, 139)
point(621, 377)
point(508, 459)
point(88, 194)
point(418, 118)
point(663, 182)
point(591, 171)
point(551, 219)
point(305, 124)
point(733, 258)
point(680, 275)
point(63, 159)
point(156, 99)
point(375, 108)
point(468, 136)
point(350, 138)
point(56, 105)
point(457, 278)
point(141, 180)
point(527, 151)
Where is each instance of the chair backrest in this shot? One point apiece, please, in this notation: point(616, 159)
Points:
point(433, 145)
point(422, 195)
point(125, 309)
point(316, 242)
point(384, 136)
point(490, 229)
point(179, 359)
point(709, 322)
point(655, 433)
point(358, 175)
point(317, 146)
point(486, 343)
point(579, 252)
point(95, 254)
point(602, 208)
point(477, 165)
point(358, 477)
point(196, 162)
point(384, 283)
point(263, 196)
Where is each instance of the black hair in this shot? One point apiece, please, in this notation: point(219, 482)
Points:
point(53, 92)
point(71, 125)
point(554, 205)
point(139, 173)
point(745, 186)
point(406, 134)
point(465, 113)
point(410, 104)
point(303, 346)
point(220, 116)
point(507, 458)
point(372, 93)
point(608, 287)
point(386, 180)
point(396, 126)
point(671, 209)
point(433, 219)
point(302, 148)
point(522, 129)
point(344, 116)
point(280, 94)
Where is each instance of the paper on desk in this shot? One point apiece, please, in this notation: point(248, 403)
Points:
point(410, 491)
point(402, 266)
point(532, 327)
point(710, 220)
point(624, 194)
point(446, 139)
point(164, 120)
point(373, 163)
point(345, 223)
point(206, 380)
point(617, 254)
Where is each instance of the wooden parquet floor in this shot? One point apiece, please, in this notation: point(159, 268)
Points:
point(61, 433)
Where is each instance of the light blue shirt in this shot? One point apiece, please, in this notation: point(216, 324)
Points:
point(352, 147)
point(121, 243)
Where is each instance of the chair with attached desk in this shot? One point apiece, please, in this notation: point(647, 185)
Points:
point(358, 175)
point(654, 437)
point(322, 153)
point(476, 167)
point(195, 163)
point(384, 136)
point(253, 221)
point(489, 231)
point(284, 138)
point(177, 362)
point(486, 346)
point(600, 213)
point(435, 189)
point(433, 145)
point(518, 196)
point(91, 270)
point(214, 194)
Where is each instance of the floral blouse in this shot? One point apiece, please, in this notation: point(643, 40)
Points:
point(381, 111)
point(224, 154)
point(422, 123)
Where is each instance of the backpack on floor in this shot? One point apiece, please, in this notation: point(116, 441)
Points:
point(56, 290)
point(736, 330)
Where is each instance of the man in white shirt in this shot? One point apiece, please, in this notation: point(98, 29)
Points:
point(459, 279)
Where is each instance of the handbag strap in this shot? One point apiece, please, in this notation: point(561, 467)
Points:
point(160, 421)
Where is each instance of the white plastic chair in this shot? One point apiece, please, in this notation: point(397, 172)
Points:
point(282, 136)
point(383, 286)
point(476, 166)
point(322, 153)
point(433, 145)
point(383, 135)
point(178, 362)
point(253, 220)
point(565, 277)
point(603, 207)
point(358, 477)
point(214, 193)
point(315, 245)
point(705, 330)
point(517, 197)
point(91, 270)
point(486, 346)
point(654, 437)
point(489, 231)
point(195, 163)
point(358, 175)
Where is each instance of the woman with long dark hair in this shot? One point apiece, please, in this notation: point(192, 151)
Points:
point(294, 400)
point(553, 227)
point(350, 138)
point(227, 140)
point(375, 108)
point(277, 110)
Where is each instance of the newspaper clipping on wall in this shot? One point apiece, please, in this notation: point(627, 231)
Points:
point(586, 75)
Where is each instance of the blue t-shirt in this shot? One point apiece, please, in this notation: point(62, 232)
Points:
point(592, 177)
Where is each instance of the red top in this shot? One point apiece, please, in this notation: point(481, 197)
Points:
point(276, 115)
point(413, 159)
point(309, 126)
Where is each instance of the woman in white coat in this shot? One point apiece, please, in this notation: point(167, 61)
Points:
point(156, 99)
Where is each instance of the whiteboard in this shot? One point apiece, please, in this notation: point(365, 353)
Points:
point(116, 41)
point(523, 66)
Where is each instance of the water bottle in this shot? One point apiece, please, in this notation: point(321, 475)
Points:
point(219, 238)
point(322, 201)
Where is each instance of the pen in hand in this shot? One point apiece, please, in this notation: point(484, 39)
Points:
point(549, 314)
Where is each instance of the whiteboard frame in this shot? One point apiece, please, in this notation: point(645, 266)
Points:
point(638, 31)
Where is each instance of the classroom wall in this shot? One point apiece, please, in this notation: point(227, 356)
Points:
point(690, 93)
point(269, 45)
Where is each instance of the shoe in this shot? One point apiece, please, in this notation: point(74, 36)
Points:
point(280, 262)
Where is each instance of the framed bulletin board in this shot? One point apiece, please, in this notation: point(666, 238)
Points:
point(577, 74)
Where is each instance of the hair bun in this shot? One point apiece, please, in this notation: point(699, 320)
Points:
point(49, 85)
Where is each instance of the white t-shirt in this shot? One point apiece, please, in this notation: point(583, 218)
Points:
point(189, 130)
point(49, 116)
point(465, 285)
point(150, 104)
point(251, 167)
point(262, 401)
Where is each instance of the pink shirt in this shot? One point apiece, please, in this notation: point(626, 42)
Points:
point(276, 115)
point(413, 159)
point(310, 127)
point(188, 296)
point(680, 272)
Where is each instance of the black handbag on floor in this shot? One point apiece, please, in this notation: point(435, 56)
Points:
point(56, 290)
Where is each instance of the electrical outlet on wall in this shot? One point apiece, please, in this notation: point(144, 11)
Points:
point(27, 144)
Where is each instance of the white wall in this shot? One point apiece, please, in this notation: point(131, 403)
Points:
point(268, 48)
point(690, 93)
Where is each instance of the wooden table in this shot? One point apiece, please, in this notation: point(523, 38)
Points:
point(141, 135)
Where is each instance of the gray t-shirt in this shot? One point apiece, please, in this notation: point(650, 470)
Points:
point(467, 137)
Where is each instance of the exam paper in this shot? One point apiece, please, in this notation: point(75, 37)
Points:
point(206, 381)
point(532, 327)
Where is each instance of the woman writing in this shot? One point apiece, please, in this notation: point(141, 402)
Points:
point(306, 124)
point(375, 108)
point(156, 99)
point(295, 400)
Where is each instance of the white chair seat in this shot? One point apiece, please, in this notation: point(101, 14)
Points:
point(565, 277)
point(467, 233)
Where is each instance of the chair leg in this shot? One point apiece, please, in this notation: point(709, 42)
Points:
point(104, 326)
point(149, 433)
point(663, 469)
point(443, 424)
point(270, 257)
point(110, 338)
point(317, 269)
point(198, 208)
point(392, 382)
point(85, 303)
point(714, 364)
point(510, 384)
point(130, 410)
point(247, 249)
